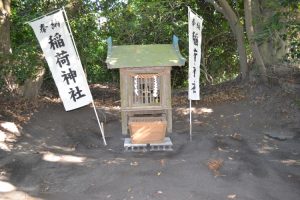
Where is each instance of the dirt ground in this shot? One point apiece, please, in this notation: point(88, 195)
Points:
point(245, 146)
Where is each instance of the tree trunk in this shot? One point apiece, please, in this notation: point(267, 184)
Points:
point(31, 87)
point(272, 47)
point(250, 33)
point(5, 46)
point(237, 29)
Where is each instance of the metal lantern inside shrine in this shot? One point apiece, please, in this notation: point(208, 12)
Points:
point(145, 85)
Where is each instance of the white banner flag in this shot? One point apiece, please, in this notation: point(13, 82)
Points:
point(64, 63)
point(195, 37)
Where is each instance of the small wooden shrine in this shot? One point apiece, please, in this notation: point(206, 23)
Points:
point(145, 85)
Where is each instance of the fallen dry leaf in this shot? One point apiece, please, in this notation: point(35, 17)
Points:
point(290, 162)
point(162, 162)
point(215, 165)
point(231, 196)
point(134, 163)
point(236, 136)
point(220, 149)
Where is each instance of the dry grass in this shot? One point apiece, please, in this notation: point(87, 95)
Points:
point(232, 95)
point(228, 95)
point(20, 110)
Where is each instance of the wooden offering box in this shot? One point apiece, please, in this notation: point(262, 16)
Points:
point(147, 130)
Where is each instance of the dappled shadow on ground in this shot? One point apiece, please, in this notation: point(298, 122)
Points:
point(61, 154)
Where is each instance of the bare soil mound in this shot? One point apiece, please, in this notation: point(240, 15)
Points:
point(245, 146)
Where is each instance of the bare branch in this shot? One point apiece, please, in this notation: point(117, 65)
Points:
point(216, 5)
point(230, 14)
point(237, 29)
point(6, 6)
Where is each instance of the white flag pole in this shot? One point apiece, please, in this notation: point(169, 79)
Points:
point(189, 10)
point(191, 120)
point(100, 126)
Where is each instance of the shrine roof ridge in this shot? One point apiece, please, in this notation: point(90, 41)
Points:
point(151, 55)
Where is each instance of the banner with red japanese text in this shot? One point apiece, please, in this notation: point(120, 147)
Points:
point(195, 38)
point(55, 40)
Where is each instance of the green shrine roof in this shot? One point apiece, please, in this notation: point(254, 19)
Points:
point(154, 55)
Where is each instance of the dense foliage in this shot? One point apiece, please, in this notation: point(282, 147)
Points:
point(140, 22)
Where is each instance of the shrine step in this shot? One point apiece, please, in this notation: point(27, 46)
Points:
point(164, 146)
point(129, 147)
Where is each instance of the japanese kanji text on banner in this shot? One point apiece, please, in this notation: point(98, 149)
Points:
point(195, 37)
point(64, 63)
